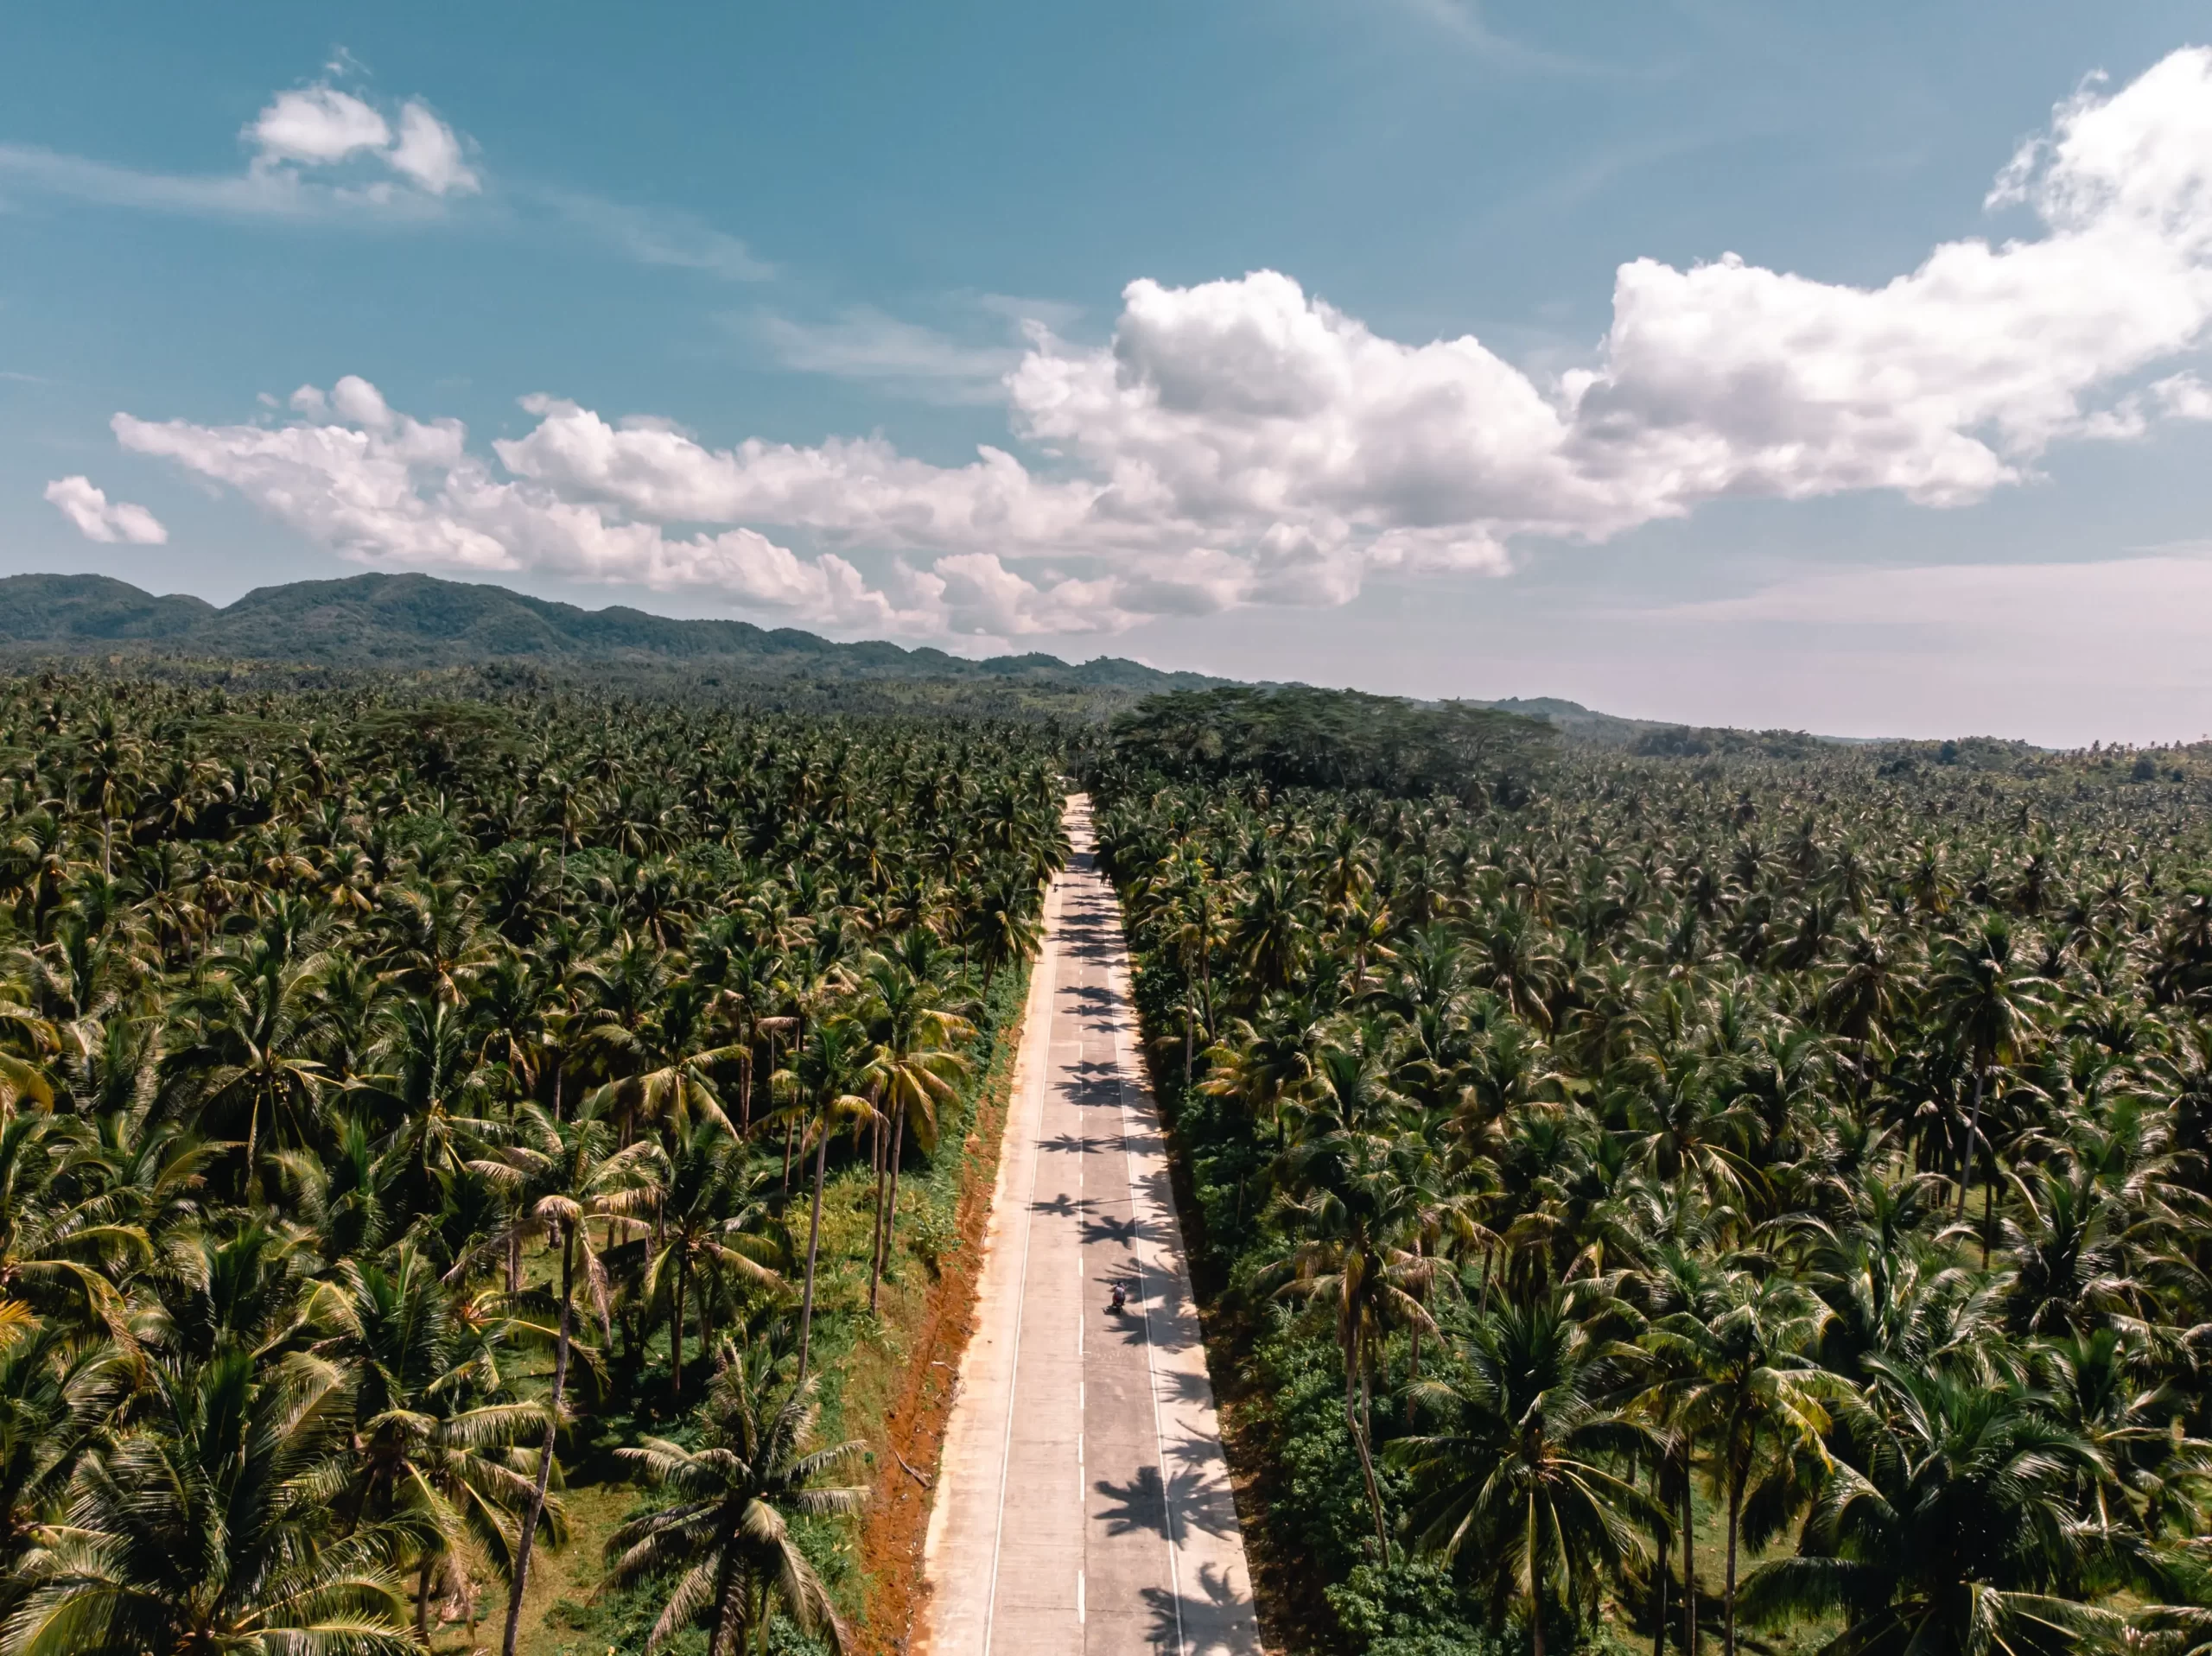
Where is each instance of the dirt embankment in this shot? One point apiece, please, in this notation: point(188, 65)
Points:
point(931, 1330)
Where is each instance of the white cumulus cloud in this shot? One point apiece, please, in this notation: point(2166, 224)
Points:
point(382, 487)
point(428, 154)
point(2183, 396)
point(1244, 441)
point(316, 126)
point(98, 518)
point(323, 126)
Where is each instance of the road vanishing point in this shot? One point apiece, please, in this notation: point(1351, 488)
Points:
point(1084, 1503)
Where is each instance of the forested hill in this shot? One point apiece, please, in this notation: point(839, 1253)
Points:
point(414, 621)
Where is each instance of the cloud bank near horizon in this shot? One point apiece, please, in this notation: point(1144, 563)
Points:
point(1242, 441)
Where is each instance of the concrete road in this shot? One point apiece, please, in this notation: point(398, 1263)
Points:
point(1084, 1503)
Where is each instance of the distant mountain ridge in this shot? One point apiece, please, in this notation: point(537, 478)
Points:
point(414, 621)
point(1574, 720)
point(1659, 737)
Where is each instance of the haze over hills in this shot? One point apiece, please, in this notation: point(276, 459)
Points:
point(414, 621)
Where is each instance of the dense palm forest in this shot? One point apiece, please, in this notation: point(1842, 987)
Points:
point(403, 1100)
point(1693, 1203)
point(1736, 1193)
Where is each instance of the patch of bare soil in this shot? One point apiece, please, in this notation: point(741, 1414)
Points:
point(932, 1330)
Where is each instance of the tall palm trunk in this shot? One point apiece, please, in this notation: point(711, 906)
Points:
point(890, 1230)
point(1205, 973)
point(676, 1335)
point(708, 1280)
point(1973, 1134)
point(537, 1507)
point(1689, 1550)
point(1735, 1527)
point(1659, 1586)
point(875, 1237)
point(1353, 1423)
point(1988, 1203)
point(890, 1212)
point(727, 1587)
point(813, 1247)
point(253, 1152)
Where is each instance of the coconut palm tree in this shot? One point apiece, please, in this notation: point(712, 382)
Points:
point(2145, 1475)
point(1694, 1129)
point(435, 1453)
point(912, 1070)
point(1268, 929)
point(62, 1246)
point(1991, 1002)
point(1262, 1062)
point(1945, 1529)
point(1755, 1394)
point(207, 1526)
point(1514, 1483)
point(725, 1535)
point(563, 1176)
point(1355, 1254)
point(430, 1086)
point(705, 1226)
point(1003, 926)
point(823, 1081)
point(1677, 1283)
point(2069, 1253)
point(677, 1090)
point(255, 1010)
point(57, 1392)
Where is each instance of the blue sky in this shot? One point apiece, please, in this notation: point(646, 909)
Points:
point(710, 309)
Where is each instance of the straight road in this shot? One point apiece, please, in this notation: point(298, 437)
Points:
point(1084, 1503)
